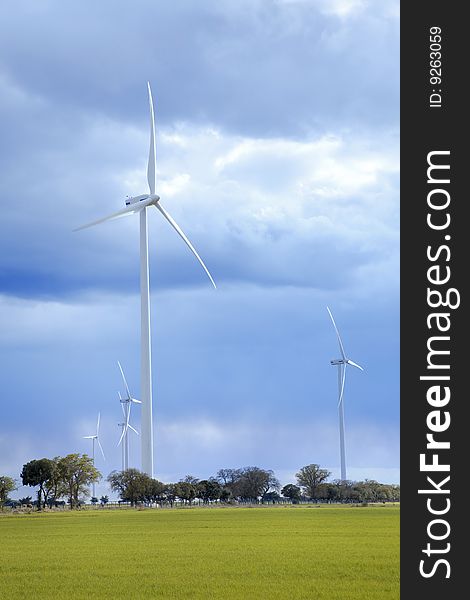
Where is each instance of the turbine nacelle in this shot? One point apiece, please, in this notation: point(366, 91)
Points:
point(136, 199)
point(126, 400)
point(337, 361)
point(345, 361)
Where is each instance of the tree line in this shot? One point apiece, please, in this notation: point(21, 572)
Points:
point(55, 478)
point(71, 476)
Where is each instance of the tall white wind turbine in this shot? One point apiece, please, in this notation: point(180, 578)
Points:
point(97, 438)
point(341, 363)
point(139, 204)
point(126, 404)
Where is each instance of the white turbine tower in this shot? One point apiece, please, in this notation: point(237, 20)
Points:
point(123, 458)
point(139, 204)
point(341, 363)
point(97, 438)
point(126, 404)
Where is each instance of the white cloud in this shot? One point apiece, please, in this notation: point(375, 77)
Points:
point(347, 8)
point(284, 198)
point(269, 210)
point(177, 184)
point(342, 8)
point(338, 8)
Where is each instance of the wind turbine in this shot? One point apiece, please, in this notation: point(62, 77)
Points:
point(341, 363)
point(126, 404)
point(97, 438)
point(139, 204)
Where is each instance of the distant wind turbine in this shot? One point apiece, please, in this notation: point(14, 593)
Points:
point(126, 404)
point(341, 363)
point(97, 438)
point(139, 204)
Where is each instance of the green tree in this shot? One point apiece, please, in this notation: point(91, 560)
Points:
point(186, 491)
point(291, 491)
point(272, 496)
point(77, 473)
point(131, 484)
point(254, 483)
point(170, 493)
point(55, 487)
point(104, 500)
point(209, 490)
point(37, 473)
point(394, 492)
point(191, 479)
point(154, 490)
point(228, 478)
point(225, 494)
point(346, 490)
point(366, 490)
point(7, 485)
point(310, 477)
point(328, 491)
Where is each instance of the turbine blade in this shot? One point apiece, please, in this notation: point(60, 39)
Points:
point(341, 347)
point(88, 437)
point(136, 401)
point(178, 230)
point(98, 425)
point(151, 169)
point(99, 444)
point(133, 208)
point(123, 410)
point(134, 430)
point(122, 435)
point(124, 379)
point(353, 364)
point(343, 379)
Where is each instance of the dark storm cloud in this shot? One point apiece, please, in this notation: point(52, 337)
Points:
point(263, 68)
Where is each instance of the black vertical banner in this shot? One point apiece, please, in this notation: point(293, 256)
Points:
point(435, 254)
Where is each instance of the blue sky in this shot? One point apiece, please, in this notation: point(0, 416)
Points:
point(277, 153)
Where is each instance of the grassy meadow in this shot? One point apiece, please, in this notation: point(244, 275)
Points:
point(289, 552)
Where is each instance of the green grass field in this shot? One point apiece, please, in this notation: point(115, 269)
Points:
point(289, 552)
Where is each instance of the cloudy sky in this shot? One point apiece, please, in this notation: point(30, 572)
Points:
point(277, 153)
